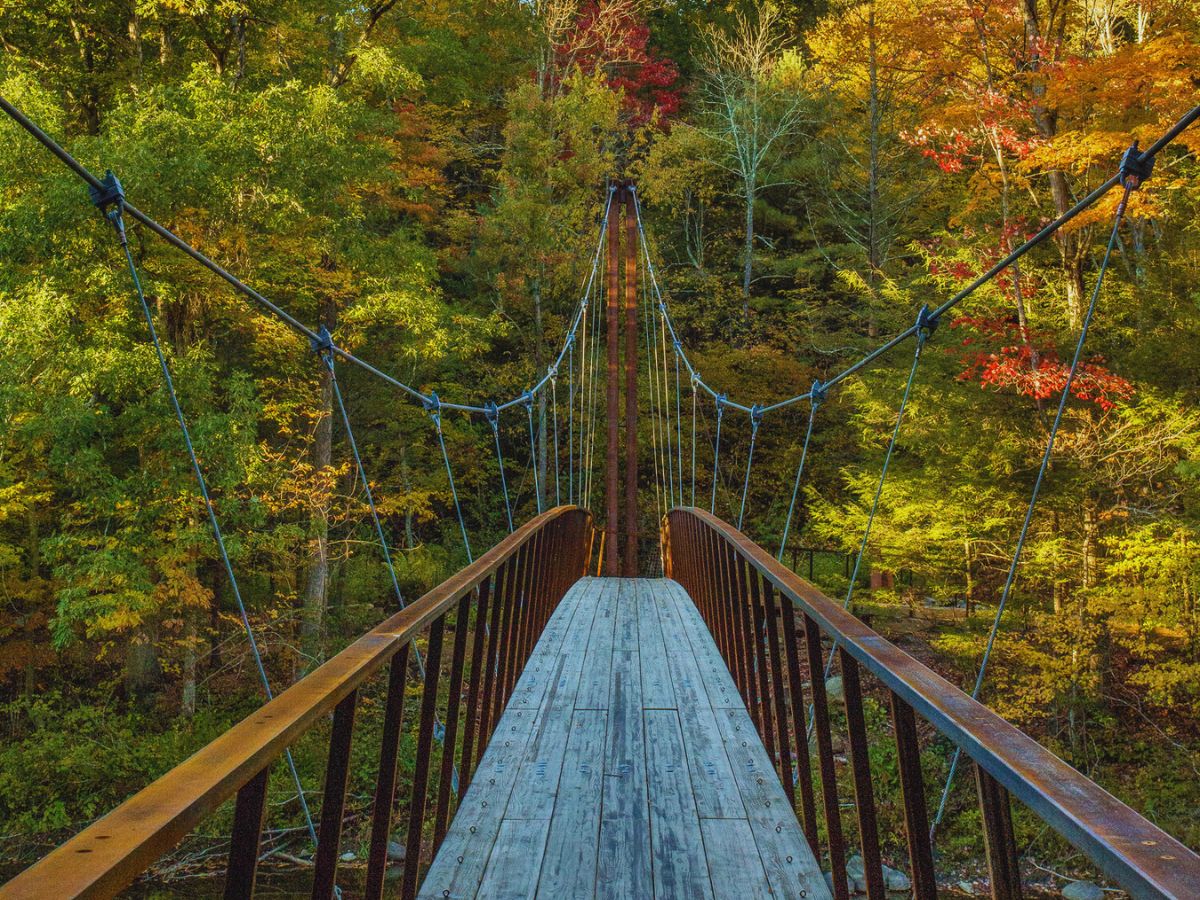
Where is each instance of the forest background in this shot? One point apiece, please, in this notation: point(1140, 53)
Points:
point(426, 180)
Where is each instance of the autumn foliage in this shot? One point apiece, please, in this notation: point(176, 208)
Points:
point(611, 39)
point(997, 355)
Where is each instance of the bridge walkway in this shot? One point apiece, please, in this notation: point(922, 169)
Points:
point(625, 765)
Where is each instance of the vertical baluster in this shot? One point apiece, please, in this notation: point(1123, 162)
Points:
point(512, 609)
point(791, 647)
point(741, 630)
point(337, 770)
point(860, 765)
point(722, 604)
point(247, 834)
point(494, 657)
point(833, 820)
point(758, 622)
point(912, 789)
point(524, 611)
point(385, 785)
point(775, 654)
point(453, 702)
point(476, 701)
point(720, 600)
point(720, 596)
point(416, 806)
point(998, 837)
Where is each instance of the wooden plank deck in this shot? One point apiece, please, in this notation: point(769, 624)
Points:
point(625, 766)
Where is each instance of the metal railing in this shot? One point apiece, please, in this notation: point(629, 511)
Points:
point(494, 609)
point(769, 625)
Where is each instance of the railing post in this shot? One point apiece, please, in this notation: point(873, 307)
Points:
point(808, 805)
point(998, 837)
point(508, 630)
point(860, 765)
point(453, 702)
point(723, 598)
point(385, 785)
point(493, 660)
point(247, 834)
point(777, 663)
point(912, 789)
point(741, 629)
point(337, 769)
point(761, 663)
point(833, 814)
point(476, 698)
point(416, 806)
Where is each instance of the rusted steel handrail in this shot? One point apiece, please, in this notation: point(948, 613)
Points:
point(752, 604)
point(523, 577)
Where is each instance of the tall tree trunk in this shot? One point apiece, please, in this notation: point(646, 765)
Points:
point(410, 538)
point(1071, 244)
point(539, 362)
point(316, 588)
point(141, 661)
point(748, 249)
point(187, 696)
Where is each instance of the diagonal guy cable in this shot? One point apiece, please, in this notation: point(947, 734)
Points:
point(110, 198)
point(324, 349)
point(816, 395)
point(1134, 169)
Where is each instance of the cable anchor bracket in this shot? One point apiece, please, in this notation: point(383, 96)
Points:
point(109, 198)
point(322, 342)
point(927, 323)
point(817, 393)
point(1135, 167)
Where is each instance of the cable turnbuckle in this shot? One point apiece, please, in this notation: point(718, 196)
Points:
point(721, 400)
point(322, 342)
point(817, 393)
point(527, 400)
point(492, 413)
point(756, 416)
point(1135, 168)
point(432, 404)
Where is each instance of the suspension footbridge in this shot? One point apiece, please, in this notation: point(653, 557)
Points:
point(618, 701)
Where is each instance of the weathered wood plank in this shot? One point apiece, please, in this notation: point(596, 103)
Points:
point(531, 686)
point(717, 796)
point(463, 857)
point(718, 683)
point(734, 866)
point(594, 687)
point(624, 867)
point(569, 866)
point(657, 692)
point(625, 634)
point(512, 872)
point(680, 869)
point(785, 854)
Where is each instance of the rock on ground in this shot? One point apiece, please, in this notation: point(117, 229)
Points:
point(1083, 890)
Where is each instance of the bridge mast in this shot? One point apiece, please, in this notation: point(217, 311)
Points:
point(630, 560)
point(612, 508)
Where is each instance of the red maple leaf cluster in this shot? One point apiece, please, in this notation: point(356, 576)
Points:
point(1002, 358)
point(615, 42)
point(994, 120)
